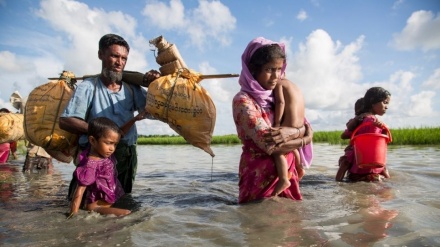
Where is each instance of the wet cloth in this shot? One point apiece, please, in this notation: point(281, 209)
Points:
point(253, 113)
point(257, 171)
point(100, 177)
point(355, 171)
point(126, 166)
point(5, 148)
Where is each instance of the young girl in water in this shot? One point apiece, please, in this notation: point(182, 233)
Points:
point(288, 103)
point(376, 102)
point(96, 172)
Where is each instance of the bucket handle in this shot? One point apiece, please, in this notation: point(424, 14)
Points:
point(368, 124)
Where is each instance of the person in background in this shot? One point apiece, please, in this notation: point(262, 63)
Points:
point(263, 64)
point(37, 158)
point(14, 150)
point(96, 172)
point(8, 147)
point(108, 96)
point(376, 101)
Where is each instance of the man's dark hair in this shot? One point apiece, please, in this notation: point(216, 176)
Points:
point(112, 39)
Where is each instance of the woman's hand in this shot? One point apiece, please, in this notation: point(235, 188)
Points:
point(286, 139)
point(308, 134)
point(280, 135)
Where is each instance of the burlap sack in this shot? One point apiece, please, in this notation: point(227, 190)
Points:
point(42, 111)
point(11, 127)
point(65, 156)
point(185, 106)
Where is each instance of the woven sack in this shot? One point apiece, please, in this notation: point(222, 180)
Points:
point(44, 106)
point(168, 56)
point(11, 127)
point(170, 68)
point(185, 106)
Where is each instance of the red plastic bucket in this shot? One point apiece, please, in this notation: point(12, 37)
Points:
point(370, 149)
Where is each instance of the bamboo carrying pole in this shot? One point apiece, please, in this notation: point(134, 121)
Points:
point(213, 76)
point(136, 78)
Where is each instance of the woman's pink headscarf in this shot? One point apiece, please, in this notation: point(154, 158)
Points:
point(247, 82)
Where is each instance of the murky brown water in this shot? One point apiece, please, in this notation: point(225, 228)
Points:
point(182, 199)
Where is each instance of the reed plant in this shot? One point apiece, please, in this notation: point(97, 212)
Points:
point(401, 136)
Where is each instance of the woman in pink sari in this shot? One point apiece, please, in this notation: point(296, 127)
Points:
point(263, 65)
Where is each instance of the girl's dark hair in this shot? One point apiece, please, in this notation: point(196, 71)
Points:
point(112, 39)
point(264, 55)
point(98, 127)
point(359, 106)
point(373, 96)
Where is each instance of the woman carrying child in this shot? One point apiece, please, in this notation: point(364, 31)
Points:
point(263, 64)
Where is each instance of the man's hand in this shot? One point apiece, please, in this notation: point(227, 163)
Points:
point(151, 76)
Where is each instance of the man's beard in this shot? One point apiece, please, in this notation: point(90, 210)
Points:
point(111, 75)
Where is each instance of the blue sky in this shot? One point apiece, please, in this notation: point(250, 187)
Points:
point(336, 49)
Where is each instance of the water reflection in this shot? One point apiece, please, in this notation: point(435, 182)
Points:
point(371, 222)
point(184, 198)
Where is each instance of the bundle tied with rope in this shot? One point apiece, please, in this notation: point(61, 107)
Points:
point(185, 106)
point(43, 108)
point(11, 124)
point(11, 127)
point(178, 99)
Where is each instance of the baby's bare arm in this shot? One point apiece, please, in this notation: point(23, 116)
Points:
point(294, 104)
point(280, 105)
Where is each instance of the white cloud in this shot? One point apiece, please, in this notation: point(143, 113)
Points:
point(9, 63)
point(421, 104)
point(83, 27)
point(397, 4)
point(166, 17)
point(434, 80)
point(216, 87)
point(422, 31)
point(211, 20)
point(302, 15)
point(326, 71)
point(73, 46)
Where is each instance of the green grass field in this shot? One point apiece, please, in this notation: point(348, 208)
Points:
point(405, 136)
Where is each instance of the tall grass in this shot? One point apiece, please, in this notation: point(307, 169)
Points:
point(404, 136)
